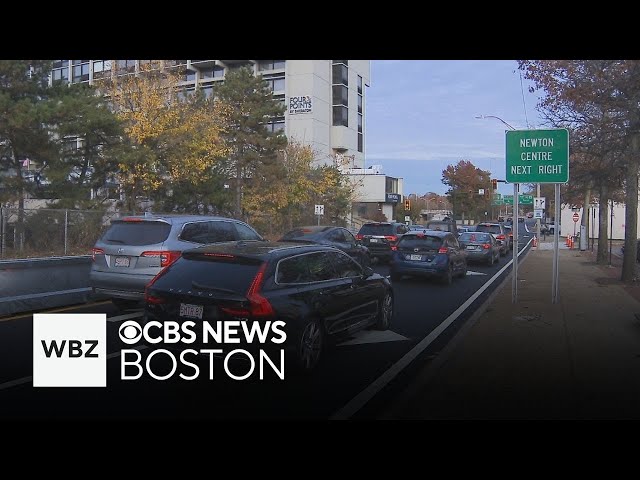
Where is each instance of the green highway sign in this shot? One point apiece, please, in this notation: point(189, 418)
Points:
point(522, 199)
point(538, 156)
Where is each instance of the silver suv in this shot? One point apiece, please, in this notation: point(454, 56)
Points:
point(134, 249)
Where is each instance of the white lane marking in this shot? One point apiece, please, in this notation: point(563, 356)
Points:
point(469, 272)
point(126, 316)
point(23, 380)
point(357, 402)
point(373, 336)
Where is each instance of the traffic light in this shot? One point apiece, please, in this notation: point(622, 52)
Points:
point(494, 184)
point(407, 204)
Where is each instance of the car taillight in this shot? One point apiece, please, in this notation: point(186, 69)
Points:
point(153, 299)
point(258, 305)
point(443, 250)
point(166, 257)
point(486, 246)
point(500, 237)
point(394, 247)
point(358, 237)
point(391, 238)
point(96, 251)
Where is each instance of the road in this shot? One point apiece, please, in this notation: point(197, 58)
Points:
point(348, 369)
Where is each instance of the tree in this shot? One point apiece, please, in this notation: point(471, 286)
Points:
point(251, 145)
point(171, 139)
point(464, 180)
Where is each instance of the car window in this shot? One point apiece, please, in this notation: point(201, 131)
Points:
point(136, 233)
point(376, 229)
point(420, 241)
point(348, 236)
point(320, 267)
point(221, 232)
point(401, 229)
point(293, 270)
point(197, 232)
point(489, 229)
point(476, 237)
point(337, 236)
point(246, 233)
point(345, 265)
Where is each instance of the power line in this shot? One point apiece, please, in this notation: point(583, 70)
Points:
point(524, 105)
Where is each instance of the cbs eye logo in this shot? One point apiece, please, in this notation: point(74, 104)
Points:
point(130, 332)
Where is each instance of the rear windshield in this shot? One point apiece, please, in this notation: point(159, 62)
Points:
point(489, 229)
point(475, 237)
point(445, 227)
point(422, 241)
point(298, 233)
point(136, 233)
point(373, 229)
point(224, 273)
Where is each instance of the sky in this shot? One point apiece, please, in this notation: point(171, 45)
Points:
point(420, 117)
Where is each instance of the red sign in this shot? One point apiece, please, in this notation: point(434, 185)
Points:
point(576, 217)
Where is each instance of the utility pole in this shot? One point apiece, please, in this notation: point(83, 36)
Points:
point(538, 219)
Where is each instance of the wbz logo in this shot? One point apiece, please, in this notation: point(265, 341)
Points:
point(69, 350)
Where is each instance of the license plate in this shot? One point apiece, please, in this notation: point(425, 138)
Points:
point(122, 261)
point(373, 240)
point(191, 311)
point(415, 257)
point(471, 247)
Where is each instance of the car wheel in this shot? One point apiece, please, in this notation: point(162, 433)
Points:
point(491, 260)
point(448, 278)
point(503, 253)
point(310, 346)
point(124, 304)
point(385, 314)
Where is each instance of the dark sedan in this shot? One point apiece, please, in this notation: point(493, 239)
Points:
point(480, 247)
point(338, 237)
point(429, 254)
point(318, 291)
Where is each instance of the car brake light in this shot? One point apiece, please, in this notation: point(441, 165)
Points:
point(220, 255)
point(500, 237)
point(394, 247)
point(166, 257)
point(258, 305)
point(96, 251)
point(358, 237)
point(486, 246)
point(391, 238)
point(443, 250)
point(132, 219)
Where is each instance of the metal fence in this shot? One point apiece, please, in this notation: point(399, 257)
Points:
point(49, 232)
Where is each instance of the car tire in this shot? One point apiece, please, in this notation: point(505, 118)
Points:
point(491, 260)
point(124, 304)
point(385, 313)
point(447, 279)
point(310, 347)
point(503, 253)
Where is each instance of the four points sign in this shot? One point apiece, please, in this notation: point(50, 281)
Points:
point(538, 156)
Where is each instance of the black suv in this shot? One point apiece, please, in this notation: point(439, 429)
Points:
point(379, 237)
point(320, 292)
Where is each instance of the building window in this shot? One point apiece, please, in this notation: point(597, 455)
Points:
point(60, 75)
point(270, 65)
point(60, 63)
point(126, 66)
point(214, 72)
point(359, 84)
point(344, 62)
point(276, 84)
point(101, 68)
point(360, 142)
point(80, 72)
point(360, 104)
point(340, 74)
point(360, 116)
point(207, 90)
point(186, 93)
point(340, 95)
point(189, 76)
point(341, 116)
point(275, 125)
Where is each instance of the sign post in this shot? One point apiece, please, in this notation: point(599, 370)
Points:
point(319, 212)
point(538, 156)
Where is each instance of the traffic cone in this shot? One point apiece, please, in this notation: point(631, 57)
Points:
point(535, 241)
point(567, 242)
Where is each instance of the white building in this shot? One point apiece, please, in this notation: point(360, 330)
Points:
point(374, 192)
point(325, 99)
point(618, 221)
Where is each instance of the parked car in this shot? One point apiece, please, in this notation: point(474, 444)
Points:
point(481, 247)
point(443, 225)
point(338, 237)
point(320, 292)
point(379, 237)
point(499, 232)
point(134, 249)
point(431, 254)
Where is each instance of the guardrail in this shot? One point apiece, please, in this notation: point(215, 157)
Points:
point(40, 283)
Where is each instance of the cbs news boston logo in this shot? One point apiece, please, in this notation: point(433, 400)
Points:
point(69, 350)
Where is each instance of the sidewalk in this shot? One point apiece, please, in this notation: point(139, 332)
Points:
point(578, 359)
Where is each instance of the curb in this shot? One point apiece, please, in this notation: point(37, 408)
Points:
point(425, 375)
